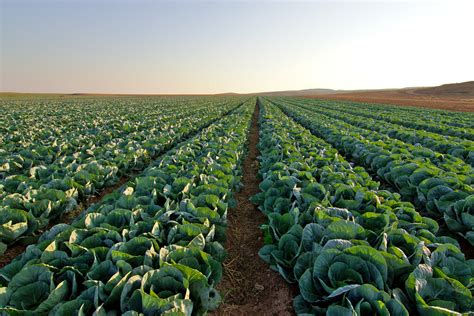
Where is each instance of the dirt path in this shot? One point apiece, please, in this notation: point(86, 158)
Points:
point(248, 286)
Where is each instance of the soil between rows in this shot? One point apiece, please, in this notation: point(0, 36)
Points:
point(248, 285)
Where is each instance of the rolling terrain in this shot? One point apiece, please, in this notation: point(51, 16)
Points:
point(454, 97)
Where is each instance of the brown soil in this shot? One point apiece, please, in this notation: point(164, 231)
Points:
point(462, 90)
point(406, 97)
point(248, 286)
point(71, 216)
point(466, 248)
point(11, 253)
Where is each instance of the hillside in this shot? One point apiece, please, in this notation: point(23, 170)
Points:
point(297, 92)
point(463, 89)
point(454, 97)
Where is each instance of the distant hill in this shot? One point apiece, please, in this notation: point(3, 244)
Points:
point(462, 89)
point(316, 92)
point(298, 92)
point(227, 94)
point(454, 97)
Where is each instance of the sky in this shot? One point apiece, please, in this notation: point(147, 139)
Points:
point(121, 46)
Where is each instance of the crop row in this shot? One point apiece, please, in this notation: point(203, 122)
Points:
point(446, 163)
point(28, 202)
point(82, 130)
point(72, 125)
point(152, 247)
point(443, 117)
point(435, 191)
point(442, 122)
point(352, 248)
point(457, 147)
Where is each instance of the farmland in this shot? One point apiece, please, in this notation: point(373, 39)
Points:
point(184, 205)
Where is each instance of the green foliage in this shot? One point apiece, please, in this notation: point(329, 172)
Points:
point(433, 181)
point(46, 170)
point(352, 248)
point(151, 247)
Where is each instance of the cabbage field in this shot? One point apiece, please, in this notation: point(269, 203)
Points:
point(118, 205)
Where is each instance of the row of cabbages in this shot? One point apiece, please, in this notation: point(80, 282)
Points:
point(445, 164)
point(73, 127)
point(351, 247)
point(430, 142)
point(152, 247)
point(441, 193)
point(448, 123)
point(34, 193)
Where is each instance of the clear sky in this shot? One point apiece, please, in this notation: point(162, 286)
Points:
point(209, 47)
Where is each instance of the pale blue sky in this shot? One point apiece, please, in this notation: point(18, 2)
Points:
point(209, 47)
